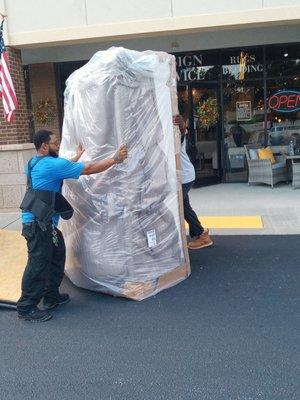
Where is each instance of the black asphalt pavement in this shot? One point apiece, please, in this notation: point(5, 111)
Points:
point(229, 332)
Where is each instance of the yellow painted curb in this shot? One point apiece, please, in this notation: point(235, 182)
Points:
point(13, 258)
point(13, 251)
point(231, 222)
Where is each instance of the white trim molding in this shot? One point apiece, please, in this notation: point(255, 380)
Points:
point(156, 27)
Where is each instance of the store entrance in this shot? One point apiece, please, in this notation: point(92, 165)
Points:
point(62, 72)
point(205, 133)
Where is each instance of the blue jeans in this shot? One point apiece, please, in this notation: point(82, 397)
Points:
point(195, 227)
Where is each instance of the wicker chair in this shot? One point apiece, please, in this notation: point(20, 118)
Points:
point(262, 171)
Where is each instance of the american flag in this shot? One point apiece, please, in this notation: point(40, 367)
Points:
point(7, 90)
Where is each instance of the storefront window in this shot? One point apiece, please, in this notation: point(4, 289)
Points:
point(283, 61)
point(250, 115)
point(283, 112)
point(242, 64)
point(243, 105)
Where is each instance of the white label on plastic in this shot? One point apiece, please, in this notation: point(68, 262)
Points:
point(151, 237)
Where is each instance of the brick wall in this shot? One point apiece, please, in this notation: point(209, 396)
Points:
point(42, 86)
point(17, 131)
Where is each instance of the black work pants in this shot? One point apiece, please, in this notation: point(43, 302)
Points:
point(45, 266)
point(195, 227)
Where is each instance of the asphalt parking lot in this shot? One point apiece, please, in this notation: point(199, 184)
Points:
point(230, 331)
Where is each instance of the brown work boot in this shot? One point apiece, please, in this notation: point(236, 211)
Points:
point(201, 241)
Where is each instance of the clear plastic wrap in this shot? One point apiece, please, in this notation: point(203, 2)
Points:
point(126, 237)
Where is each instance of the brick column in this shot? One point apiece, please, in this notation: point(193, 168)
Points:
point(15, 149)
point(17, 131)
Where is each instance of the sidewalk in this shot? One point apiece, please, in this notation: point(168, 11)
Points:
point(10, 219)
point(279, 208)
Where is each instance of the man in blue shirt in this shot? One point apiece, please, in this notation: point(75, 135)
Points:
point(46, 248)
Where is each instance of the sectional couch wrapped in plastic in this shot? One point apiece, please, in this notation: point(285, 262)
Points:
point(126, 237)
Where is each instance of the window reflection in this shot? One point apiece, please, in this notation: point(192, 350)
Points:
point(283, 60)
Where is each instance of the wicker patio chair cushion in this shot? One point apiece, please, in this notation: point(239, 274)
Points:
point(266, 154)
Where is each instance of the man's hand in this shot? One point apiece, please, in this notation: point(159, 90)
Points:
point(121, 154)
point(179, 121)
point(79, 151)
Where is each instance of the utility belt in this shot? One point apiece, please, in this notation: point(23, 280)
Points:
point(44, 204)
point(29, 230)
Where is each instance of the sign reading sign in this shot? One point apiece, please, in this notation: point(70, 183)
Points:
point(285, 101)
point(190, 67)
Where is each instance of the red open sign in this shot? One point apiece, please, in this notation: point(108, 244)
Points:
point(285, 101)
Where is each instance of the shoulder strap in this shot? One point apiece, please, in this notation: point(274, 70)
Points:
point(30, 167)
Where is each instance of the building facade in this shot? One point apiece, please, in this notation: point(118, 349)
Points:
point(238, 67)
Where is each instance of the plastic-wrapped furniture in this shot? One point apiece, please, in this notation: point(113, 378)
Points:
point(127, 234)
point(263, 171)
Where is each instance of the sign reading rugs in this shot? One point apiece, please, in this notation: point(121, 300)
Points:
point(285, 101)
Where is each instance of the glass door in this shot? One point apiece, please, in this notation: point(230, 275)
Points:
point(244, 123)
point(204, 143)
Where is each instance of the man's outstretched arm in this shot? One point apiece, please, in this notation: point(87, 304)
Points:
point(95, 167)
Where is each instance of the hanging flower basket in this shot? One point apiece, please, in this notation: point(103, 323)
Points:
point(207, 111)
point(44, 111)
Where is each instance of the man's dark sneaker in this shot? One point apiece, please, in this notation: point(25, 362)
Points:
point(53, 302)
point(35, 315)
